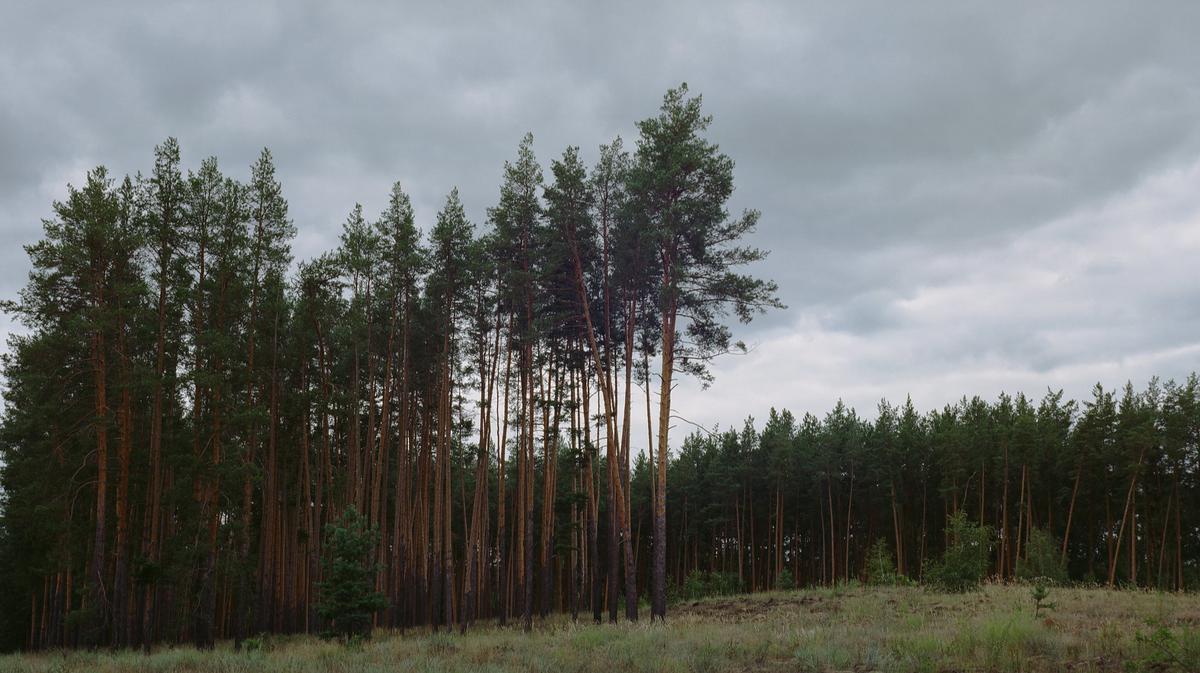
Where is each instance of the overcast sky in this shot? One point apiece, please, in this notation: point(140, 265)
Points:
point(959, 198)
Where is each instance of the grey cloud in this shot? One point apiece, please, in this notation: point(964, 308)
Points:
point(890, 148)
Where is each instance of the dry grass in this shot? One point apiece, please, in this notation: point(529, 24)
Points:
point(848, 629)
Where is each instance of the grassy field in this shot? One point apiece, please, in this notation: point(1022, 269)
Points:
point(847, 629)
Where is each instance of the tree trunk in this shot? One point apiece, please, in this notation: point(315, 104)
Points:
point(1071, 511)
point(659, 596)
point(1125, 516)
point(121, 624)
point(100, 424)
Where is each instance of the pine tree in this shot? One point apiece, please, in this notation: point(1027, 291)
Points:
point(218, 212)
point(402, 260)
point(447, 293)
point(517, 220)
point(269, 254)
point(679, 185)
point(347, 594)
point(78, 286)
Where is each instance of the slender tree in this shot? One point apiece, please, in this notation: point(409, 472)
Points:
point(679, 185)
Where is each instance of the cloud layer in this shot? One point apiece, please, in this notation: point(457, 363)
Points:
point(959, 198)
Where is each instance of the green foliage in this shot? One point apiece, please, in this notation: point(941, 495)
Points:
point(679, 185)
point(1166, 649)
point(1042, 562)
point(881, 566)
point(699, 584)
point(1040, 592)
point(785, 581)
point(965, 563)
point(257, 643)
point(347, 595)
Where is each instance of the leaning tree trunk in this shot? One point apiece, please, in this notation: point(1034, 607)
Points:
point(1112, 565)
point(1071, 511)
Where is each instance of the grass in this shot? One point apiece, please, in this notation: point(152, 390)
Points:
point(844, 629)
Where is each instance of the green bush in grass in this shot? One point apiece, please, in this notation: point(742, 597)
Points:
point(965, 562)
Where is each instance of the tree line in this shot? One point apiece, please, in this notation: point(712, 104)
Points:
point(189, 407)
point(1107, 491)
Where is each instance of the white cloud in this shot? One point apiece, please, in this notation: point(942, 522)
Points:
point(1106, 294)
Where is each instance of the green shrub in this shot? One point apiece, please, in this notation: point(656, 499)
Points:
point(1166, 649)
point(881, 565)
point(253, 643)
point(1042, 561)
point(965, 563)
point(700, 584)
point(785, 581)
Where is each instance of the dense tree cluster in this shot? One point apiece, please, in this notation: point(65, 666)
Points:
point(1112, 486)
point(189, 407)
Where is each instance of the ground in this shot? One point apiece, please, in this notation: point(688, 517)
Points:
point(846, 629)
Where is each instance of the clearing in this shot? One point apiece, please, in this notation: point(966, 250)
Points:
point(852, 628)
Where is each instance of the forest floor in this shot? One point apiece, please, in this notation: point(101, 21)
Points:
point(852, 628)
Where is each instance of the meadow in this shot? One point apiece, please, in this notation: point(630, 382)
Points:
point(851, 628)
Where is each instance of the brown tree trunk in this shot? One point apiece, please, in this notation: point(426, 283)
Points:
point(502, 576)
point(121, 624)
point(1071, 510)
point(550, 425)
point(849, 513)
point(520, 505)
point(1125, 516)
point(268, 550)
point(1021, 514)
point(832, 533)
point(897, 524)
point(100, 425)
point(527, 504)
point(1005, 564)
point(402, 523)
point(475, 545)
point(659, 592)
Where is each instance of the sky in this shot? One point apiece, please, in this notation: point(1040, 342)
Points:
point(959, 198)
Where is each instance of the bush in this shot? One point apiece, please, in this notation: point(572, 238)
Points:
point(699, 584)
point(1042, 560)
point(1165, 649)
point(785, 581)
point(881, 565)
point(261, 642)
point(347, 595)
point(965, 563)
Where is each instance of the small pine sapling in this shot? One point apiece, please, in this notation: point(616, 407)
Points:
point(1040, 592)
point(347, 595)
